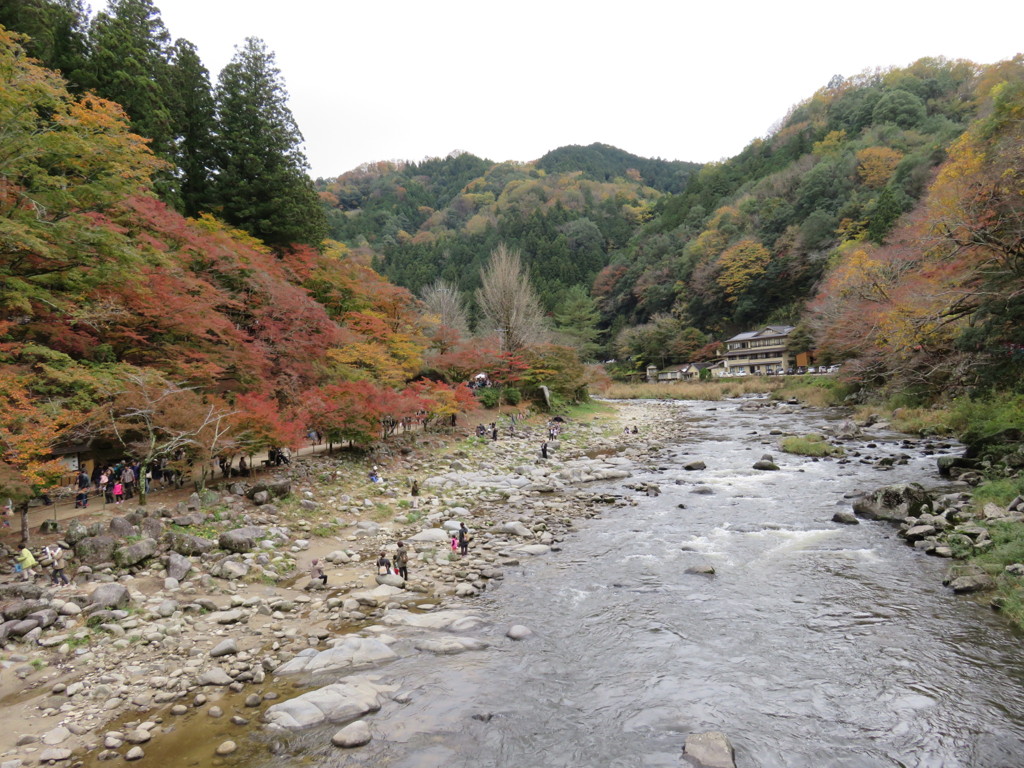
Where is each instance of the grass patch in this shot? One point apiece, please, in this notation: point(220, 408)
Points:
point(1000, 491)
point(1007, 548)
point(78, 641)
point(324, 529)
point(694, 390)
point(810, 445)
point(413, 516)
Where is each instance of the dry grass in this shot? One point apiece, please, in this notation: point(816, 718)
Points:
point(696, 390)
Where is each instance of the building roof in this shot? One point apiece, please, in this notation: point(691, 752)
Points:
point(767, 332)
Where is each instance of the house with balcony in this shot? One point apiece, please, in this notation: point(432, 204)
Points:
point(758, 352)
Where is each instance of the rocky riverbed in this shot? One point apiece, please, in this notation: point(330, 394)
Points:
point(203, 613)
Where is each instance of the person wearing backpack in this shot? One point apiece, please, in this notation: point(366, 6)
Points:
point(464, 538)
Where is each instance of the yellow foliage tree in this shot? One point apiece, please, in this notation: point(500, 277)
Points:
point(875, 165)
point(739, 265)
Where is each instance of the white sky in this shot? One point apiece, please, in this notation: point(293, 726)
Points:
point(401, 79)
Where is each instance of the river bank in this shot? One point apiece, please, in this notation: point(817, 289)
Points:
point(194, 644)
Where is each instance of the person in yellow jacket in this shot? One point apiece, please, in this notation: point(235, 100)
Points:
point(27, 561)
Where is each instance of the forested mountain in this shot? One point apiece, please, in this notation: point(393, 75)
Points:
point(441, 218)
point(674, 257)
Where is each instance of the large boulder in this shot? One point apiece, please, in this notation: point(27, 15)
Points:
point(112, 595)
point(277, 489)
point(894, 503)
point(346, 654)
point(337, 703)
point(241, 540)
point(121, 528)
point(178, 566)
point(76, 532)
point(189, 544)
point(96, 549)
point(135, 553)
point(970, 578)
point(231, 569)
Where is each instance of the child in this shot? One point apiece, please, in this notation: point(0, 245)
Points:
point(455, 543)
point(118, 493)
point(26, 562)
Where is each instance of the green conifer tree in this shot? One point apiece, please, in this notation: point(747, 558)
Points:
point(261, 184)
point(194, 119)
point(130, 64)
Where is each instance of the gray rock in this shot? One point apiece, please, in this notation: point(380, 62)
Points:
point(135, 753)
point(894, 502)
point(224, 648)
point(76, 532)
point(352, 735)
point(96, 549)
point(766, 465)
point(58, 735)
point(230, 569)
point(694, 466)
point(241, 540)
point(390, 580)
point(518, 632)
point(189, 544)
point(431, 535)
point(261, 498)
point(121, 528)
point(447, 646)
point(214, 676)
point(178, 566)
point(336, 703)
point(232, 616)
point(516, 528)
point(348, 653)
point(711, 749)
point(969, 579)
point(112, 595)
point(135, 553)
point(54, 754)
point(227, 748)
point(846, 517)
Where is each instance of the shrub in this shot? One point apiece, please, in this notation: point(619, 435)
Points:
point(488, 397)
point(512, 395)
point(810, 445)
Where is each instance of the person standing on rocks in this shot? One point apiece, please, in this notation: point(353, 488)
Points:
point(402, 561)
point(544, 449)
point(383, 565)
point(57, 575)
point(464, 538)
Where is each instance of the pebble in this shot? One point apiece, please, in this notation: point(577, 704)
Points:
point(227, 748)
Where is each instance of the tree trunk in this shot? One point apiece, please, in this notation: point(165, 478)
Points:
point(141, 483)
point(23, 509)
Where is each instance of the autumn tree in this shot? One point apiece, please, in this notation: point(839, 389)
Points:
point(875, 165)
point(30, 429)
point(260, 182)
point(508, 303)
point(740, 265)
point(153, 418)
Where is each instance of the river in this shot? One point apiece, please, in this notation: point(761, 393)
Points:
point(813, 645)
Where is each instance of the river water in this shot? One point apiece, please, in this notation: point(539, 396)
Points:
point(814, 644)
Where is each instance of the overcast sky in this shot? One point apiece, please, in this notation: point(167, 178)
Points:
point(406, 79)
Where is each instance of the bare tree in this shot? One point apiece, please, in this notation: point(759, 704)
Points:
point(444, 302)
point(508, 302)
point(153, 419)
